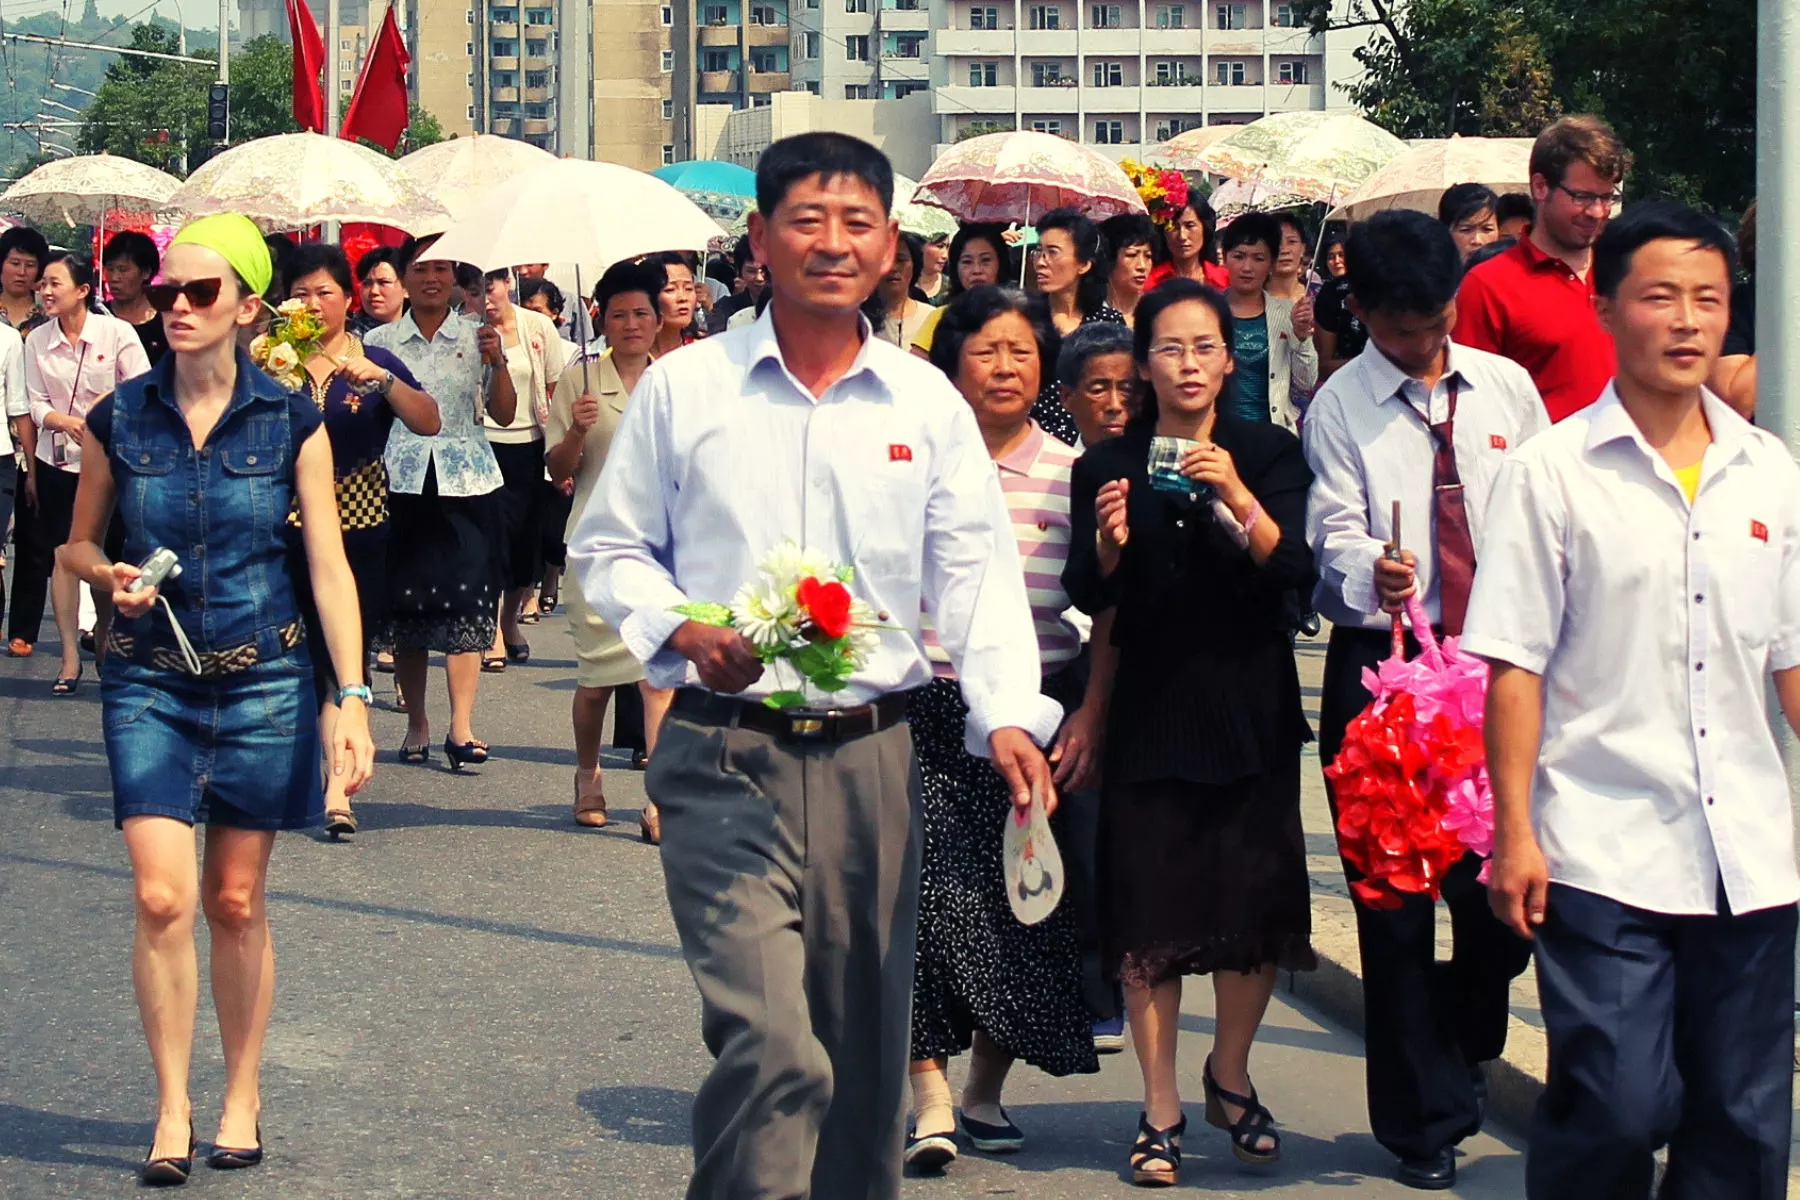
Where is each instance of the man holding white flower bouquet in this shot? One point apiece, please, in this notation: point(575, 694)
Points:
point(810, 485)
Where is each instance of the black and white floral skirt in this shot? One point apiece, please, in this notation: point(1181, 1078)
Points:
point(976, 966)
point(443, 571)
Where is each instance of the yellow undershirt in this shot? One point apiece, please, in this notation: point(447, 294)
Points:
point(1689, 479)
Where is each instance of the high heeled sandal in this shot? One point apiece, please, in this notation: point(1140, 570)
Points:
point(171, 1171)
point(227, 1158)
point(469, 754)
point(1256, 1124)
point(1157, 1146)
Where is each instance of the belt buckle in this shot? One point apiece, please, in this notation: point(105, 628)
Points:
point(814, 725)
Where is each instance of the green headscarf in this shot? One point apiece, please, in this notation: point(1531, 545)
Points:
point(237, 240)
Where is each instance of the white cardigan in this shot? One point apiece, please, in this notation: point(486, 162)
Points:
point(1293, 362)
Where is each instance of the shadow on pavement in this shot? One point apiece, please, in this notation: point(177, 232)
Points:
point(653, 1116)
point(49, 1137)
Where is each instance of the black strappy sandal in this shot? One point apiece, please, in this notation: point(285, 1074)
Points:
point(415, 756)
point(1157, 1146)
point(1256, 1124)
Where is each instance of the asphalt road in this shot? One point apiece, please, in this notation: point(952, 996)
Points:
point(476, 998)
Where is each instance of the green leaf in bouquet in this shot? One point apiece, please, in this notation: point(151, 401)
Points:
point(781, 700)
point(705, 612)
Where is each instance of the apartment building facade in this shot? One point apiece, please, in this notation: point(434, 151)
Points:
point(1125, 74)
point(861, 49)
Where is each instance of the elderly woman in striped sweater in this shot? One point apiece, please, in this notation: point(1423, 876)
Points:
point(983, 981)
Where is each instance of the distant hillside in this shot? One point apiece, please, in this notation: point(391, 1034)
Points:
point(27, 69)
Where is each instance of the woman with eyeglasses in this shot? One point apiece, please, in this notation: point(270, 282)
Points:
point(208, 696)
point(359, 391)
point(1189, 529)
point(72, 360)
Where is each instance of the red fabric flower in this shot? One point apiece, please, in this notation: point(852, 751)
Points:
point(828, 604)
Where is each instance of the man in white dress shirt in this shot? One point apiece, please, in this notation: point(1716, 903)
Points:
point(1418, 420)
point(791, 841)
point(1641, 584)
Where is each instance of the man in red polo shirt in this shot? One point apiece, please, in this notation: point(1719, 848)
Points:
point(1535, 302)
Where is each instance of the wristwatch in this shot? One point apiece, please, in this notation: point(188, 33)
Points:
point(360, 691)
point(387, 383)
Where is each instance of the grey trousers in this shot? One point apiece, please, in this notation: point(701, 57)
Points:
point(793, 876)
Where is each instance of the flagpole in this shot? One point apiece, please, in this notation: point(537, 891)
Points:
point(333, 86)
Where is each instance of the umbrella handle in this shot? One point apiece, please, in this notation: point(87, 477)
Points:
point(1397, 648)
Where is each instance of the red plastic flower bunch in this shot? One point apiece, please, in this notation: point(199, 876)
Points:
point(1164, 193)
point(827, 605)
point(1388, 779)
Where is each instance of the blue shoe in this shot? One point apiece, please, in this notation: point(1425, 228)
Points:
point(1109, 1036)
point(994, 1139)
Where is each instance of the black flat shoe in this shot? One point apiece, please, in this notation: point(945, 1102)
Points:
point(519, 652)
point(929, 1155)
point(169, 1172)
point(1434, 1174)
point(415, 756)
point(67, 686)
point(469, 754)
point(1006, 1138)
point(225, 1158)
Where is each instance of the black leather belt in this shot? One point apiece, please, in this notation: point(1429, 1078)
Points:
point(792, 724)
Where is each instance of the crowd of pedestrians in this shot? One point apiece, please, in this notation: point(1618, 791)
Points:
point(1096, 511)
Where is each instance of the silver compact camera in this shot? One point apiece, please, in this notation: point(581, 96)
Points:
point(161, 565)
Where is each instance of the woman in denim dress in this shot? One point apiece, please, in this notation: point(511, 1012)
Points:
point(208, 695)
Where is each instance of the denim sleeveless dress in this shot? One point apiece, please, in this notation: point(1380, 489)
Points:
point(237, 744)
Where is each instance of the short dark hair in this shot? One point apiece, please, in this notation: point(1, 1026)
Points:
point(976, 233)
point(913, 246)
point(827, 155)
point(1510, 206)
point(81, 272)
point(539, 286)
point(1156, 302)
point(1580, 137)
point(1252, 227)
point(1466, 201)
point(740, 254)
point(966, 315)
point(311, 257)
point(411, 249)
point(1090, 289)
point(365, 266)
point(1126, 230)
point(498, 275)
point(623, 278)
point(1403, 262)
point(470, 277)
point(280, 247)
point(25, 240)
point(1088, 342)
point(136, 247)
point(1654, 221)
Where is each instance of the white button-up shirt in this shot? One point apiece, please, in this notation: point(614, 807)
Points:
point(448, 367)
point(722, 455)
point(72, 377)
point(1655, 625)
point(1367, 442)
point(13, 401)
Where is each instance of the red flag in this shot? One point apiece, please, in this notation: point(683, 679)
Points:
point(378, 108)
point(309, 60)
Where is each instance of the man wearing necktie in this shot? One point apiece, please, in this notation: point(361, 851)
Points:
point(1417, 421)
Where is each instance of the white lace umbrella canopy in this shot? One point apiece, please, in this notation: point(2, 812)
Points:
point(297, 180)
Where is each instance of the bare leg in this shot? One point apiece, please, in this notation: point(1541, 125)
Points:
point(506, 630)
point(409, 677)
point(464, 675)
point(1154, 1015)
point(243, 969)
point(988, 1066)
point(103, 614)
point(589, 713)
point(1239, 1001)
point(656, 707)
point(65, 602)
point(163, 970)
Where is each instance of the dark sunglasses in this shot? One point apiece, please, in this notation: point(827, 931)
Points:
point(201, 293)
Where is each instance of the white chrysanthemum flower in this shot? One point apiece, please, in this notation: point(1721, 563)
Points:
point(864, 638)
point(764, 612)
point(788, 563)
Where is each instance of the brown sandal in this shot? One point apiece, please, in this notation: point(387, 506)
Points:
point(590, 806)
point(650, 824)
point(338, 822)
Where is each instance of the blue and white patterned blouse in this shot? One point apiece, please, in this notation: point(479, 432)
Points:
point(448, 366)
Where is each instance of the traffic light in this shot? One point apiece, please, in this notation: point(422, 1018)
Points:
point(218, 112)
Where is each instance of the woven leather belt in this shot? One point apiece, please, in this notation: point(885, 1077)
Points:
point(793, 724)
point(214, 664)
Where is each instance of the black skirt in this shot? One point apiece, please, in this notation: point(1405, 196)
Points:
point(443, 577)
point(521, 500)
point(367, 552)
point(976, 966)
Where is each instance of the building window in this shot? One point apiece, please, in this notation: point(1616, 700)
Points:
point(1109, 133)
point(769, 59)
point(1105, 16)
point(537, 79)
point(1168, 129)
point(984, 18)
point(1170, 73)
point(1109, 74)
point(668, 154)
point(856, 6)
point(668, 15)
point(668, 110)
point(857, 91)
point(537, 16)
point(906, 88)
point(537, 47)
point(1294, 72)
point(1047, 75)
point(763, 16)
point(469, 49)
point(1047, 127)
point(716, 60)
point(668, 61)
point(713, 14)
point(1046, 16)
point(471, 112)
point(856, 48)
point(984, 74)
point(812, 85)
point(812, 45)
point(1232, 16)
point(1284, 16)
point(1171, 16)
point(1231, 74)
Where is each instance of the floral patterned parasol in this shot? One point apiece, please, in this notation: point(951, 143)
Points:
point(81, 190)
point(297, 180)
point(1417, 178)
point(1319, 155)
point(1007, 177)
point(923, 219)
point(1184, 149)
